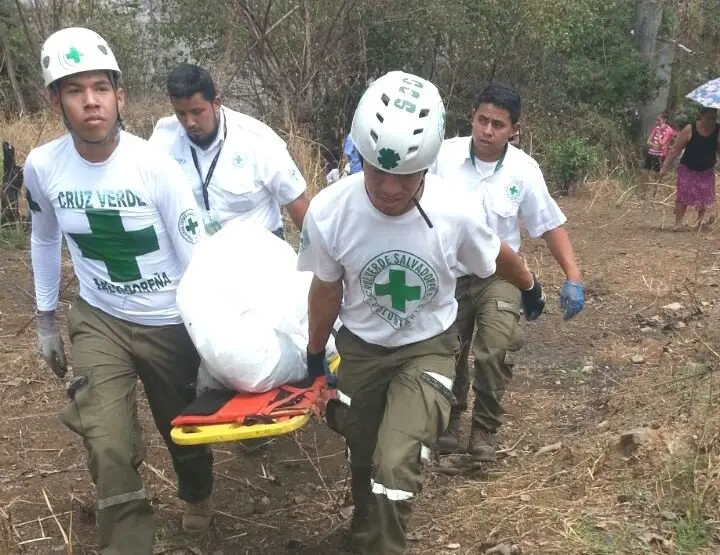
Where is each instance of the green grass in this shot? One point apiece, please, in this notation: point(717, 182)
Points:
point(691, 533)
point(597, 540)
point(13, 236)
point(691, 530)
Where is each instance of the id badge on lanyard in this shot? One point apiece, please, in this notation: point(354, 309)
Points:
point(205, 182)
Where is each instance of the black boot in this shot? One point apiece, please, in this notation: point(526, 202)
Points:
point(449, 442)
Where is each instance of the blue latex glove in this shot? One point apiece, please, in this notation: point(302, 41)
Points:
point(572, 298)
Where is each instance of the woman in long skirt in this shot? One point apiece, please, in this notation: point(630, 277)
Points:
point(696, 171)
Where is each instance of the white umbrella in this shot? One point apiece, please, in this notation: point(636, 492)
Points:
point(708, 95)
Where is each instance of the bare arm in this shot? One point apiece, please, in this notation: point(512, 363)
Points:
point(297, 210)
point(682, 140)
point(511, 267)
point(559, 244)
point(323, 309)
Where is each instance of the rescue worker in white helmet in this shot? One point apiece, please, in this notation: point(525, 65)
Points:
point(384, 246)
point(131, 232)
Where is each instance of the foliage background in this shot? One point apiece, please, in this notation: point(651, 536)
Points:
point(587, 70)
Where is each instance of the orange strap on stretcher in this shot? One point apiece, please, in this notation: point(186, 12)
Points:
point(285, 401)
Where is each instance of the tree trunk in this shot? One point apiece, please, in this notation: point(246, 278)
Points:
point(649, 18)
point(29, 36)
point(10, 65)
point(10, 185)
point(665, 56)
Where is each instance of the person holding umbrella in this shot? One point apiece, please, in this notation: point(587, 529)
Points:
point(695, 184)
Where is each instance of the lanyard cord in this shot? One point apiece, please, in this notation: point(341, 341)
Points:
point(205, 182)
point(499, 162)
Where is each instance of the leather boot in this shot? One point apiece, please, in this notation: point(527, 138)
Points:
point(449, 441)
point(482, 444)
point(197, 516)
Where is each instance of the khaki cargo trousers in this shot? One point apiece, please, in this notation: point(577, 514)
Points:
point(393, 404)
point(108, 357)
point(493, 306)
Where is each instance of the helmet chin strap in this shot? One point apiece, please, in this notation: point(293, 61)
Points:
point(413, 199)
point(416, 202)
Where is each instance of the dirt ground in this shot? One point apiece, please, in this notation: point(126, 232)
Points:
point(567, 483)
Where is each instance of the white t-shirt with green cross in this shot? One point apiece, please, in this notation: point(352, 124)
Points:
point(129, 226)
point(398, 273)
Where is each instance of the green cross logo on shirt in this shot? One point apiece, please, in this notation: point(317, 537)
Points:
point(191, 226)
point(397, 285)
point(188, 225)
point(512, 191)
point(73, 55)
point(399, 292)
point(108, 242)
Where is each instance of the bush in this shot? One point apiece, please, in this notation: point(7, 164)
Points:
point(569, 160)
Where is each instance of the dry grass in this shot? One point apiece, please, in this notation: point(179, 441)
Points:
point(27, 132)
point(577, 387)
point(308, 156)
point(590, 497)
point(140, 116)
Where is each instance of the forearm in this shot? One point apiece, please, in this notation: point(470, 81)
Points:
point(559, 244)
point(45, 259)
point(674, 152)
point(511, 267)
point(297, 210)
point(667, 163)
point(324, 302)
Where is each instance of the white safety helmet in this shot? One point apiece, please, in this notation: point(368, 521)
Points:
point(399, 123)
point(74, 50)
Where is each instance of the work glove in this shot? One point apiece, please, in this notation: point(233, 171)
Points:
point(316, 363)
point(50, 343)
point(317, 366)
point(572, 298)
point(533, 300)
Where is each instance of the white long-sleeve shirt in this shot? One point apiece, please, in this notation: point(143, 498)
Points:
point(130, 225)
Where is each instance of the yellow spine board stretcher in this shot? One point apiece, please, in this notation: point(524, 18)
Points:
point(274, 424)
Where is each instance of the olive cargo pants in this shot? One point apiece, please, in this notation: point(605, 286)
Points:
point(393, 404)
point(108, 356)
point(492, 304)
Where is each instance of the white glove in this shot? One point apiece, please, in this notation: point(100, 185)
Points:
point(50, 343)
